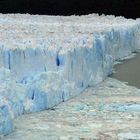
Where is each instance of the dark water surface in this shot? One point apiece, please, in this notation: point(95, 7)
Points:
point(129, 71)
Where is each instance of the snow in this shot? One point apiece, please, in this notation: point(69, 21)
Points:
point(46, 60)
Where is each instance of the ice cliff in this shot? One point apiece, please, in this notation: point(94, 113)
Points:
point(46, 60)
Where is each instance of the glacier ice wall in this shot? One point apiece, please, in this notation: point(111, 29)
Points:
point(46, 60)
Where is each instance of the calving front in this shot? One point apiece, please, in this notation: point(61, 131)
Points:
point(46, 60)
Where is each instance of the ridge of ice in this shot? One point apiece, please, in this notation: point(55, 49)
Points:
point(46, 60)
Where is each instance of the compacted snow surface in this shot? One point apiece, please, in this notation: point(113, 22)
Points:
point(46, 60)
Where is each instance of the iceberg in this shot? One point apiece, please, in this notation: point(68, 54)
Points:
point(46, 60)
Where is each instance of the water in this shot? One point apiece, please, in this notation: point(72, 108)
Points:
point(129, 71)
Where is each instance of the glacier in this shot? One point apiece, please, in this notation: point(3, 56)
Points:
point(46, 60)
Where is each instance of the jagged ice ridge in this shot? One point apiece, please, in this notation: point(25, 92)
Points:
point(46, 60)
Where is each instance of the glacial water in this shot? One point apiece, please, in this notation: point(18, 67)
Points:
point(129, 71)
